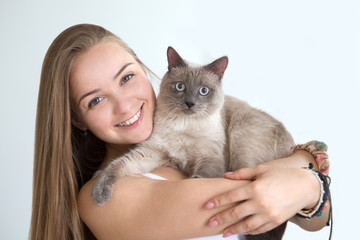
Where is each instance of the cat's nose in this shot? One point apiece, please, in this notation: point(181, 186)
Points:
point(190, 104)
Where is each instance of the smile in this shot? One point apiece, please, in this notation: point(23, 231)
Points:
point(131, 120)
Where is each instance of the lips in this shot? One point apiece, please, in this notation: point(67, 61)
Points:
point(130, 121)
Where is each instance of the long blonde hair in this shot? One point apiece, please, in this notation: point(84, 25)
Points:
point(62, 163)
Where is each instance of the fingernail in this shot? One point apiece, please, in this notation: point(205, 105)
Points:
point(227, 234)
point(209, 205)
point(213, 223)
point(229, 173)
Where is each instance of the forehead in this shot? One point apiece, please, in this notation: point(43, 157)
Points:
point(97, 66)
point(101, 60)
point(194, 75)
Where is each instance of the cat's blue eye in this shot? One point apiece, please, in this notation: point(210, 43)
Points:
point(180, 86)
point(126, 78)
point(204, 91)
point(95, 101)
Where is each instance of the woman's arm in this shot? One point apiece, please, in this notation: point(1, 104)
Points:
point(280, 188)
point(142, 208)
point(302, 159)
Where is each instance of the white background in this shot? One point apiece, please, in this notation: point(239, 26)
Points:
point(297, 60)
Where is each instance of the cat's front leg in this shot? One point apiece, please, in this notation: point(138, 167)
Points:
point(138, 160)
point(209, 168)
point(103, 188)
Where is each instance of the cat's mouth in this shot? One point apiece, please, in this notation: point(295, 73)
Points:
point(189, 111)
point(132, 120)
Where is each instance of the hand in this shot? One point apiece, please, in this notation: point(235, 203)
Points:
point(274, 196)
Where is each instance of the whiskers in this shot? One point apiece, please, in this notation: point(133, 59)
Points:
point(203, 114)
point(167, 102)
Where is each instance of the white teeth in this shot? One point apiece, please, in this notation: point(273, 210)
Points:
point(130, 121)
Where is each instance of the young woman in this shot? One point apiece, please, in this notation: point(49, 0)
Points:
point(95, 102)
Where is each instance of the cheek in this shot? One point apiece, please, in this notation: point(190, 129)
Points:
point(145, 91)
point(97, 122)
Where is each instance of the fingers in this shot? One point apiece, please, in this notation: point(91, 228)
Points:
point(233, 214)
point(236, 195)
point(262, 229)
point(248, 221)
point(251, 225)
point(249, 173)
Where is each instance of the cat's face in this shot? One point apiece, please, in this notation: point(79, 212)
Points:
point(189, 90)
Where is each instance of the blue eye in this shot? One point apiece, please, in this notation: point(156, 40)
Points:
point(95, 101)
point(204, 91)
point(180, 86)
point(127, 78)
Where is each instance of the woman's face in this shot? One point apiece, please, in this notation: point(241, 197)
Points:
point(112, 95)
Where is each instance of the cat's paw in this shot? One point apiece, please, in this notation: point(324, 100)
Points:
point(102, 190)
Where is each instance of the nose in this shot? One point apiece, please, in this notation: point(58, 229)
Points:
point(122, 104)
point(190, 99)
point(189, 104)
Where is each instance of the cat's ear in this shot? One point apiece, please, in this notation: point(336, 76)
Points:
point(174, 59)
point(218, 66)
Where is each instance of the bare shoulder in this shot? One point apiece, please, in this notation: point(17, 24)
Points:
point(84, 199)
point(87, 208)
point(125, 189)
point(113, 218)
point(143, 208)
point(131, 210)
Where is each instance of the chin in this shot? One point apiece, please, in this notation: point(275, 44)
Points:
point(143, 135)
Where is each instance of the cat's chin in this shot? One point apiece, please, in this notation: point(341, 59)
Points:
point(195, 114)
point(189, 112)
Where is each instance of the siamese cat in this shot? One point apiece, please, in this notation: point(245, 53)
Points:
point(201, 132)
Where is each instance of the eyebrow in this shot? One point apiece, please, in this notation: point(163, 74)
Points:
point(121, 70)
point(89, 93)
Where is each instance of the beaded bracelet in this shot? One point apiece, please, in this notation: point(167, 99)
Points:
point(319, 151)
point(317, 210)
point(325, 196)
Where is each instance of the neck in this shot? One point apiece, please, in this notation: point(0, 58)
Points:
point(114, 151)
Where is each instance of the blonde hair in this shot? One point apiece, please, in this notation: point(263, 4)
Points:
point(60, 160)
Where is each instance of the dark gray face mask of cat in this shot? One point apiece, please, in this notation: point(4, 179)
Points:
point(192, 90)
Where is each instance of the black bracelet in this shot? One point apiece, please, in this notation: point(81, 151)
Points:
point(325, 196)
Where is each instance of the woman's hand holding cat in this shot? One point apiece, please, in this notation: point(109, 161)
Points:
point(273, 196)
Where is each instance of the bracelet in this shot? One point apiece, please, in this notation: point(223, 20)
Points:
point(325, 196)
point(319, 151)
point(317, 210)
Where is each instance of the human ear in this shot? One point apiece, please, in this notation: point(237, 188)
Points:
point(76, 121)
point(78, 124)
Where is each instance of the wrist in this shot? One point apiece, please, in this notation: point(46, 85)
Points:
point(324, 182)
point(315, 191)
point(318, 150)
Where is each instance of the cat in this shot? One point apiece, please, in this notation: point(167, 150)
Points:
point(200, 131)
